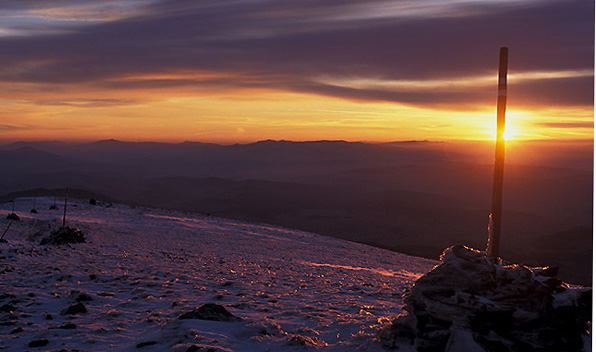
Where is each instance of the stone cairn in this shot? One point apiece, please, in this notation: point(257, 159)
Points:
point(475, 303)
point(64, 235)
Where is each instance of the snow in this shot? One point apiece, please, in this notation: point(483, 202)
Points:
point(462, 340)
point(143, 268)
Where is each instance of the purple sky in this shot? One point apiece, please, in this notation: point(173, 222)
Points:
point(358, 50)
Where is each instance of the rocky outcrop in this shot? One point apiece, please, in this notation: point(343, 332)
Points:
point(74, 309)
point(473, 302)
point(13, 216)
point(64, 235)
point(210, 311)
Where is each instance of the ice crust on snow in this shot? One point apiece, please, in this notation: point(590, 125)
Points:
point(141, 269)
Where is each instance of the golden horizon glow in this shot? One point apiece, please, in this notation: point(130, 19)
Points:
point(266, 114)
point(144, 107)
point(142, 70)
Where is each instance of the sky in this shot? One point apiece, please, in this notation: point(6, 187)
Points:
point(229, 71)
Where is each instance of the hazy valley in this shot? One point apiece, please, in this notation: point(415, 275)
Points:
point(413, 197)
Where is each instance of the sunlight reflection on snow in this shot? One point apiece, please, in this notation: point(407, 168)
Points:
point(401, 273)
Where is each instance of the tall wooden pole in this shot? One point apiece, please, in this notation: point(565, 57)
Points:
point(494, 233)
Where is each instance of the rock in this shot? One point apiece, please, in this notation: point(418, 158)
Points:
point(83, 297)
point(80, 296)
point(195, 348)
point(13, 216)
point(64, 235)
point(8, 308)
point(478, 301)
point(299, 340)
point(146, 343)
point(77, 308)
point(549, 271)
point(210, 311)
point(17, 330)
point(38, 343)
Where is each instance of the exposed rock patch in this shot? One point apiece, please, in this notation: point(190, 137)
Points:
point(77, 308)
point(38, 343)
point(304, 341)
point(64, 235)
point(210, 311)
point(13, 216)
point(80, 296)
point(67, 326)
point(146, 343)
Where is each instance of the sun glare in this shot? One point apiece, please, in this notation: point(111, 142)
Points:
point(510, 133)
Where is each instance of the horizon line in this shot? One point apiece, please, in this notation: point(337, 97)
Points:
point(405, 141)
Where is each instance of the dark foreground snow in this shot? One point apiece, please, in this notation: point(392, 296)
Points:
point(140, 270)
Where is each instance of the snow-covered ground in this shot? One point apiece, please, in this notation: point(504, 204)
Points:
point(143, 268)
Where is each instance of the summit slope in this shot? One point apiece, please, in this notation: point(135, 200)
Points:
point(141, 269)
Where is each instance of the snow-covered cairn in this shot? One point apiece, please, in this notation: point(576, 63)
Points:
point(471, 302)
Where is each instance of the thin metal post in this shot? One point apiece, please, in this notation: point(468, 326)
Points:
point(494, 236)
point(5, 231)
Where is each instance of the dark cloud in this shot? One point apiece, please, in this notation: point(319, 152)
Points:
point(290, 44)
point(559, 91)
point(30, 4)
point(5, 127)
point(435, 98)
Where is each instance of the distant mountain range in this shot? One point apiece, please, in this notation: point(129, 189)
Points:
point(416, 197)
